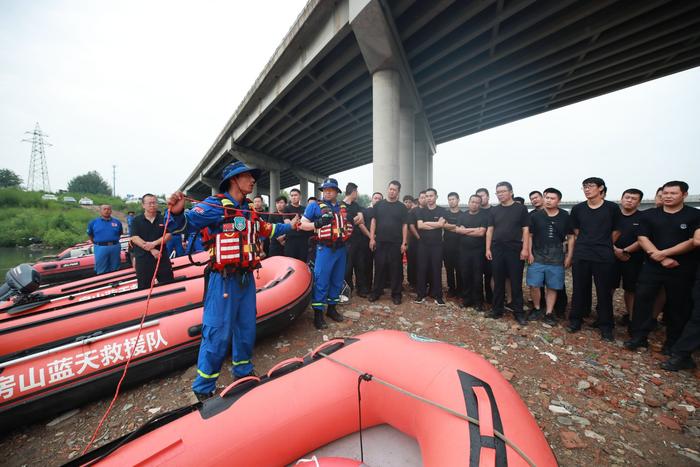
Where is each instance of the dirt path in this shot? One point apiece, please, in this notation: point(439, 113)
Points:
point(597, 403)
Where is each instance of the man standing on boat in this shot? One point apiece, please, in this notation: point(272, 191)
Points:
point(104, 233)
point(333, 226)
point(232, 230)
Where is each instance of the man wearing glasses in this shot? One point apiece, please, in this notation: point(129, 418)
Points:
point(146, 237)
point(596, 226)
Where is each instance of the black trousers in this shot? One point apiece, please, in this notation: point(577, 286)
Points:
point(678, 284)
point(450, 257)
point(559, 305)
point(388, 264)
point(429, 270)
point(411, 261)
point(276, 249)
point(146, 266)
point(297, 247)
point(488, 274)
point(507, 264)
point(690, 338)
point(472, 270)
point(585, 272)
point(357, 263)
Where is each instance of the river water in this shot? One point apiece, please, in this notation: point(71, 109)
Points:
point(11, 257)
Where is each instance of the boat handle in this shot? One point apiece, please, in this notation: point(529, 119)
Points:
point(326, 345)
point(283, 364)
point(237, 383)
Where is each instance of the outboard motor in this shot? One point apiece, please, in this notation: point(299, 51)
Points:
point(20, 280)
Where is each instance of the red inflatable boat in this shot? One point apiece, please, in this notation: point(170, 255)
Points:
point(59, 357)
point(452, 404)
point(62, 270)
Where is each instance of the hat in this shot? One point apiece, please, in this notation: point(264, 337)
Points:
point(234, 169)
point(330, 183)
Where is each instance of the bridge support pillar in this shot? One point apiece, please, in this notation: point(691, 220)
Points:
point(304, 189)
point(406, 150)
point(255, 191)
point(386, 90)
point(316, 185)
point(420, 165)
point(274, 185)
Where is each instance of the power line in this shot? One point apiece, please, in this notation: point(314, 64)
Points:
point(38, 179)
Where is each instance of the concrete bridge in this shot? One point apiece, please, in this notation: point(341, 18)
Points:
point(384, 81)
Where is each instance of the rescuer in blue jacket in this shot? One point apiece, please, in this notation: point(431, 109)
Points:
point(231, 233)
point(329, 218)
point(104, 233)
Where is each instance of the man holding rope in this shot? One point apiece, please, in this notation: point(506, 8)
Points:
point(232, 234)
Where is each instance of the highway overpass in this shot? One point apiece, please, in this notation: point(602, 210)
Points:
point(384, 81)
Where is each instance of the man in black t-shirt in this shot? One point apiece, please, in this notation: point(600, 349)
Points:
point(507, 246)
point(357, 245)
point(666, 235)
point(628, 254)
point(411, 205)
point(488, 268)
point(430, 221)
point(146, 235)
point(549, 228)
point(471, 229)
point(277, 243)
point(388, 236)
point(296, 244)
point(450, 247)
point(596, 225)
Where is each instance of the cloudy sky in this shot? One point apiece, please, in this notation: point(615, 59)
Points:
point(147, 86)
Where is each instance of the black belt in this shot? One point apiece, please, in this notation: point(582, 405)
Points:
point(105, 243)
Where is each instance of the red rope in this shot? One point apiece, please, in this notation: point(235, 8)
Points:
point(131, 354)
point(291, 214)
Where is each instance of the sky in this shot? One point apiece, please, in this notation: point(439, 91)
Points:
point(148, 86)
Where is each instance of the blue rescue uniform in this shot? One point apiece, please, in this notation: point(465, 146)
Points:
point(105, 235)
point(230, 304)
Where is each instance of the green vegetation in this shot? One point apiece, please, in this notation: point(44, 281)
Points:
point(8, 178)
point(25, 216)
point(91, 182)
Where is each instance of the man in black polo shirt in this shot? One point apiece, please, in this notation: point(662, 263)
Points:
point(471, 228)
point(146, 236)
point(277, 243)
point(431, 220)
point(488, 270)
point(388, 234)
point(666, 235)
point(507, 240)
point(450, 246)
point(628, 254)
point(596, 226)
point(296, 244)
point(357, 245)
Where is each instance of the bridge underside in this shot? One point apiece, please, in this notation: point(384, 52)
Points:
point(421, 73)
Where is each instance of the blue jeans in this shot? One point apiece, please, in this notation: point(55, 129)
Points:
point(107, 258)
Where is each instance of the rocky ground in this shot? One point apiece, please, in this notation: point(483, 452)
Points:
point(597, 403)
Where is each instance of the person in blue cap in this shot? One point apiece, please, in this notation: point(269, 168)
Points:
point(231, 230)
point(104, 233)
point(333, 226)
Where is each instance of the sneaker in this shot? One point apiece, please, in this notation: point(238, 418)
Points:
point(550, 319)
point(396, 300)
point(676, 363)
point(373, 298)
point(419, 299)
point(520, 318)
point(535, 315)
point(202, 396)
point(439, 302)
point(607, 335)
point(634, 344)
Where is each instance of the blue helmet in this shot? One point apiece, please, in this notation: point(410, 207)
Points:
point(330, 183)
point(234, 169)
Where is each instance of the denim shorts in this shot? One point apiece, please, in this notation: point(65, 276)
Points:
point(549, 275)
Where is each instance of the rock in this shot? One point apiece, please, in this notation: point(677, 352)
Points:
point(656, 381)
point(550, 355)
point(583, 385)
point(154, 410)
point(652, 401)
point(404, 321)
point(63, 417)
point(629, 447)
point(690, 455)
point(689, 408)
point(507, 375)
point(558, 341)
point(566, 421)
point(593, 380)
point(558, 410)
point(669, 423)
point(571, 440)
point(594, 435)
point(353, 315)
point(580, 420)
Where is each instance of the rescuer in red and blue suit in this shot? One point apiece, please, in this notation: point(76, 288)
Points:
point(229, 305)
point(329, 219)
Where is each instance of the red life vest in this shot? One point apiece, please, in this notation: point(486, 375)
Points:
point(237, 247)
point(337, 231)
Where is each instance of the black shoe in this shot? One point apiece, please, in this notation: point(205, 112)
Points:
point(494, 315)
point(373, 298)
point(665, 350)
point(439, 302)
point(520, 318)
point(362, 294)
point(479, 308)
point(396, 300)
point(573, 328)
point(625, 319)
point(236, 378)
point(509, 306)
point(319, 322)
point(550, 319)
point(419, 299)
point(634, 344)
point(676, 363)
point(607, 335)
point(451, 293)
point(333, 314)
point(464, 305)
point(535, 315)
point(202, 396)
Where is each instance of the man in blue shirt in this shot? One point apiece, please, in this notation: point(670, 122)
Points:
point(104, 232)
point(333, 227)
point(230, 230)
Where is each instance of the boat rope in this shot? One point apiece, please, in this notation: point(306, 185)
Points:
point(360, 379)
point(199, 201)
point(363, 376)
point(138, 336)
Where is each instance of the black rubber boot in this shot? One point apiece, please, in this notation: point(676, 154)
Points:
point(333, 314)
point(202, 396)
point(319, 322)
